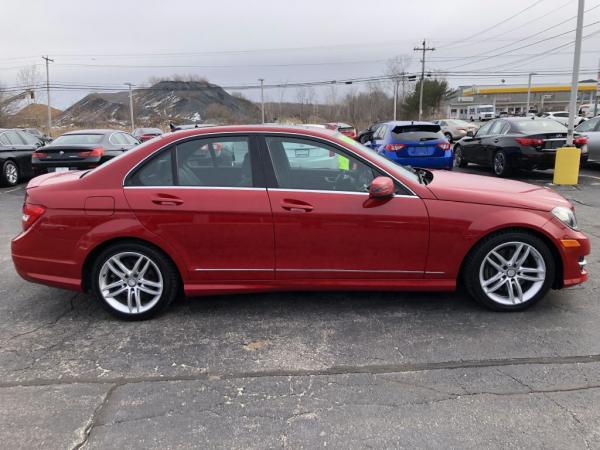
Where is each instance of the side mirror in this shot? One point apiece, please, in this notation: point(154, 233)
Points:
point(381, 187)
point(470, 133)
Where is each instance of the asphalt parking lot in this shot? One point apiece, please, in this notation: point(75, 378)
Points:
point(302, 370)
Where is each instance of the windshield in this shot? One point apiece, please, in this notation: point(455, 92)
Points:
point(385, 163)
point(78, 139)
point(486, 109)
point(540, 126)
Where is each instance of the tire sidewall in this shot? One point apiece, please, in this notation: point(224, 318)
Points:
point(475, 259)
point(168, 273)
point(459, 151)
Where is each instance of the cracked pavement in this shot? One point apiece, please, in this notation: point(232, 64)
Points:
point(301, 370)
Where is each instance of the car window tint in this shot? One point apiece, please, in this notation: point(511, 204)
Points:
point(117, 139)
point(496, 127)
point(158, 171)
point(4, 139)
point(128, 139)
point(77, 139)
point(215, 162)
point(540, 126)
point(484, 130)
point(561, 115)
point(380, 132)
point(28, 138)
point(588, 125)
point(14, 138)
point(310, 165)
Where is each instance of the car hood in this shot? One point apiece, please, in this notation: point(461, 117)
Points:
point(467, 188)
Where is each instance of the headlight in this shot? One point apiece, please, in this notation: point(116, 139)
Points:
point(566, 216)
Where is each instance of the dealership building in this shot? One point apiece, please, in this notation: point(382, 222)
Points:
point(512, 98)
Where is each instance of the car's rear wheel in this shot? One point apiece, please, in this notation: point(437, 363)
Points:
point(459, 159)
point(509, 271)
point(10, 173)
point(134, 281)
point(448, 136)
point(500, 164)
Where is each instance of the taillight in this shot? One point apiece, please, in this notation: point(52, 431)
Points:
point(93, 153)
point(530, 142)
point(31, 213)
point(580, 140)
point(394, 147)
point(38, 155)
point(445, 146)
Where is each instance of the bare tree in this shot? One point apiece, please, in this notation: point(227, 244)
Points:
point(30, 78)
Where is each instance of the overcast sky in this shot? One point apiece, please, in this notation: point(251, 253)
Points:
point(236, 42)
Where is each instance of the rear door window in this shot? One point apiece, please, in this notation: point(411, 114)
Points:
point(215, 162)
point(14, 138)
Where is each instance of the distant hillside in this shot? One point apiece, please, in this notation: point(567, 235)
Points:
point(33, 115)
point(177, 101)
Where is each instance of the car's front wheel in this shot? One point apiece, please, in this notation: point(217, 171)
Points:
point(134, 281)
point(459, 159)
point(509, 271)
point(10, 174)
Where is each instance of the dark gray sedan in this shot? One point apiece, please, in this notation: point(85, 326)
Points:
point(80, 150)
point(16, 148)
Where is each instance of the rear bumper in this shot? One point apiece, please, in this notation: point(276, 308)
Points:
point(428, 162)
point(532, 159)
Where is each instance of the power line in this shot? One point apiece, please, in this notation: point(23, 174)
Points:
point(487, 29)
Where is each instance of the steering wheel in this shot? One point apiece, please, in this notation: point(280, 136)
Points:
point(344, 182)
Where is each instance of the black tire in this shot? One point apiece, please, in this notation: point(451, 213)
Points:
point(500, 164)
point(168, 274)
point(449, 137)
point(10, 176)
point(459, 160)
point(474, 261)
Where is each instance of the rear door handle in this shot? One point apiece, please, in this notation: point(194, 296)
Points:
point(496, 141)
point(296, 206)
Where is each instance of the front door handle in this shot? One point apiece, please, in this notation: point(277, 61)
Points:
point(296, 206)
point(496, 141)
point(167, 200)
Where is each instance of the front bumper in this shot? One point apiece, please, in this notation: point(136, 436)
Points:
point(574, 247)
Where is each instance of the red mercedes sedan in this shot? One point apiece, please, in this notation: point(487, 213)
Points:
point(266, 208)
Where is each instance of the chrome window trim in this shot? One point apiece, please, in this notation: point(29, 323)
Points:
point(233, 270)
point(319, 191)
point(261, 132)
point(199, 187)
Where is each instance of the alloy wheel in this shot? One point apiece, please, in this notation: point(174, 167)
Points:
point(11, 173)
point(499, 163)
point(131, 283)
point(512, 273)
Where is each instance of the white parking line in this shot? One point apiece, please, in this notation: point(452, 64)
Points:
point(589, 176)
point(17, 188)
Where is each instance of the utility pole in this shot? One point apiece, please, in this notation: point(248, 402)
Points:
point(423, 49)
point(131, 104)
point(575, 79)
point(262, 99)
point(48, 61)
point(529, 93)
point(396, 81)
point(597, 90)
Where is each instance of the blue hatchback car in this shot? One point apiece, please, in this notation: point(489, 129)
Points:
point(417, 144)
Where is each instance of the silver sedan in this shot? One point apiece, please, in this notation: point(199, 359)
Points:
point(591, 129)
point(455, 129)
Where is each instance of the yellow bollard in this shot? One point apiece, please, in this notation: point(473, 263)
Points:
point(566, 165)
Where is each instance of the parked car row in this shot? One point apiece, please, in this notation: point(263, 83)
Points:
point(26, 152)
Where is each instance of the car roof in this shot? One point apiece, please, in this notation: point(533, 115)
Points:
point(408, 122)
point(293, 129)
point(94, 131)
